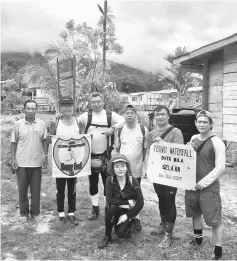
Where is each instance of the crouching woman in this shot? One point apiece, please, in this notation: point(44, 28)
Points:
point(124, 199)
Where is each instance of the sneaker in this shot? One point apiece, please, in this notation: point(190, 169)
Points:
point(73, 220)
point(62, 220)
point(191, 244)
point(166, 241)
point(94, 213)
point(137, 225)
point(104, 242)
point(37, 218)
point(159, 231)
point(23, 219)
point(216, 258)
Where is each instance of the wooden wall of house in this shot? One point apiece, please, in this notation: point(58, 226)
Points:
point(215, 94)
point(230, 93)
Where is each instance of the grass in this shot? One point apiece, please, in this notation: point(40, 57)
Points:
point(49, 241)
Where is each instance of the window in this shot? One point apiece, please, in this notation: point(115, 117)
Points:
point(134, 98)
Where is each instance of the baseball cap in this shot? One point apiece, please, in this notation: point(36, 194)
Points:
point(129, 107)
point(66, 100)
point(119, 158)
point(204, 113)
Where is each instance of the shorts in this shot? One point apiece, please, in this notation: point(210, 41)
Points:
point(206, 203)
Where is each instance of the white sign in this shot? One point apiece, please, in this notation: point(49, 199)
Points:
point(71, 157)
point(172, 164)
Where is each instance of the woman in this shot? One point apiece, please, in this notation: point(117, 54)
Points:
point(67, 126)
point(123, 197)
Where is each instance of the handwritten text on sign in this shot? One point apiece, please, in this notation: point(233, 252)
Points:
point(172, 164)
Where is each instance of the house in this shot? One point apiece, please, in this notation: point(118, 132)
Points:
point(149, 100)
point(218, 64)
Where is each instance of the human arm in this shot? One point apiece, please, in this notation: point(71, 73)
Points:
point(45, 144)
point(178, 136)
point(220, 159)
point(134, 211)
point(110, 199)
point(14, 141)
point(117, 122)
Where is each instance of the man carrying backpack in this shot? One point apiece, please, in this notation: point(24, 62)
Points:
point(166, 194)
point(101, 124)
point(204, 200)
point(131, 141)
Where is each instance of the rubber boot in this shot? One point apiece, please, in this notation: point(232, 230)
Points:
point(167, 239)
point(161, 228)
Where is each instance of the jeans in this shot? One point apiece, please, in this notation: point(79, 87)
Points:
point(71, 188)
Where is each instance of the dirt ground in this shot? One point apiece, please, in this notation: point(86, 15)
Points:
point(47, 240)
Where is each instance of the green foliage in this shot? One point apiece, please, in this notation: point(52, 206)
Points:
point(177, 78)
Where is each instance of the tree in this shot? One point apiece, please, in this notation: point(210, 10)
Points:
point(176, 77)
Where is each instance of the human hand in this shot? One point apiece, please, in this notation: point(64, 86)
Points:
point(131, 203)
point(157, 139)
point(14, 164)
point(45, 162)
point(122, 219)
point(199, 186)
point(109, 132)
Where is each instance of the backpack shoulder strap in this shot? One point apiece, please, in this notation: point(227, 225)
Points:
point(109, 117)
point(167, 132)
point(143, 134)
point(89, 120)
point(202, 145)
point(119, 136)
point(78, 125)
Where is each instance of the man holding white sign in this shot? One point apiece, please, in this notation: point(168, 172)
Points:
point(166, 194)
point(204, 199)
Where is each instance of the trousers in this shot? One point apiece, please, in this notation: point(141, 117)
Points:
point(167, 206)
point(111, 219)
point(71, 189)
point(29, 177)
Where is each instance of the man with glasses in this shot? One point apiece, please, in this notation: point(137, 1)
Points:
point(100, 123)
point(204, 200)
point(166, 194)
point(29, 153)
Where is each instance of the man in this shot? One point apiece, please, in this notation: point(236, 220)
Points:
point(166, 194)
point(205, 199)
point(66, 126)
point(27, 146)
point(100, 123)
point(131, 141)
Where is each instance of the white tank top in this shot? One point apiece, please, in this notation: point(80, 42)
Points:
point(65, 130)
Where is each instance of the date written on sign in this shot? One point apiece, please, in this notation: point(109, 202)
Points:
point(172, 165)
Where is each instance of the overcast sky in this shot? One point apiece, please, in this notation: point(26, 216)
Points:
point(147, 30)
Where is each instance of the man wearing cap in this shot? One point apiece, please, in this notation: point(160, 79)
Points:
point(67, 126)
point(100, 123)
point(204, 200)
point(28, 144)
point(131, 141)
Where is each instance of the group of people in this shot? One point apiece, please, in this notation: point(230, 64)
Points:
point(121, 174)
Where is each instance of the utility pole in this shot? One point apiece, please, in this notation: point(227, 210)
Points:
point(104, 29)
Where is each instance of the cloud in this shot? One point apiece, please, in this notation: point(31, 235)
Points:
point(147, 30)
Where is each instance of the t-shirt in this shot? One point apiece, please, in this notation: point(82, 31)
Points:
point(210, 162)
point(174, 136)
point(29, 138)
point(99, 141)
point(69, 131)
point(131, 145)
